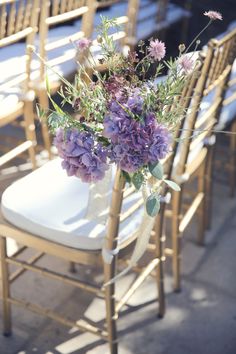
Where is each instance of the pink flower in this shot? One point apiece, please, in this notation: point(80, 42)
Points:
point(157, 49)
point(213, 15)
point(83, 44)
point(186, 63)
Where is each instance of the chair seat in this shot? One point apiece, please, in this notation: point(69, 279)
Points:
point(9, 100)
point(13, 58)
point(228, 112)
point(51, 205)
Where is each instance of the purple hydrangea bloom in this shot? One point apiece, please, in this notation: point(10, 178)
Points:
point(136, 137)
point(82, 156)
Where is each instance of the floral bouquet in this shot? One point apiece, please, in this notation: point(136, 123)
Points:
point(120, 115)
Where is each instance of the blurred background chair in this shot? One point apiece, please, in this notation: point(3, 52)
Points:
point(223, 55)
point(194, 158)
point(18, 24)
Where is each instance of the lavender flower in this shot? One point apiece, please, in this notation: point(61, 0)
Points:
point(213, 15)
point(82, 155)
point(157, 50)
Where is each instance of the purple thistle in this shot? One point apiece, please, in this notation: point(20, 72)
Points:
point(157, 50)
point(213, 15)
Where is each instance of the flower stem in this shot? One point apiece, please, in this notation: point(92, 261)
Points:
point(198, 35)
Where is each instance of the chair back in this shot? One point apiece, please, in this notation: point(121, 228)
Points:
point(126, 13)
point(18, 23)
point(120, 209)
point(207, 101)
point(61, 12)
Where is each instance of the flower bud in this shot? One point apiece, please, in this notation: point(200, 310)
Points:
point(99, 39)
point(181, 48)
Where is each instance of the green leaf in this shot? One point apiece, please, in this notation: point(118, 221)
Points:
point(126, 176)
point(40, 112)
point(137, 180)
point(153, 205)
point(172, 185)
point(156, 170)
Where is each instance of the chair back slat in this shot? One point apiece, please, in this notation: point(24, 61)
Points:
point(58, 12)
point(3, 21)
point(210, 89)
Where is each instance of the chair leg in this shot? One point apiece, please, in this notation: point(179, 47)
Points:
point(109, 273)
point(5, 288)
point(160, 241)
point(176, 241)
point(30, 130)
point(208, 189)
point(72, 267)
point(43, 101)
point(232, 171)
point(201, 208)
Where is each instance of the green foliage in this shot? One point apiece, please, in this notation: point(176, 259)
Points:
point(138, 180)
point(156, 170)
point(153, 205)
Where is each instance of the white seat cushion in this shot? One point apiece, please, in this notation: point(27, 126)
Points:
point(228, 112)
point(51, 205)
point(13, 58)
point(9, 100)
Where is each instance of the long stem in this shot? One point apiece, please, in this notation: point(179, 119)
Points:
point(198, 35)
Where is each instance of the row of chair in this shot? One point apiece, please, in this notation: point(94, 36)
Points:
point(40, 220)
point(51, 31)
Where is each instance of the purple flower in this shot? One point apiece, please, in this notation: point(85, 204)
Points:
point(157, 50)
point(186, 63)
point(83, 44)
point(136, 137)
point(82, 155)
point(213, 15)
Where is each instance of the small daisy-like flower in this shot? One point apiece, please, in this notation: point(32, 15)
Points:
point(157, 49)
point(186, 63)
point(213, 15)
point(83, 44)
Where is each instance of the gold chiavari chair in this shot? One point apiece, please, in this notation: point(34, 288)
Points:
point(18, 23)
point(59, 228)
point(223, 55)
point(194, 158)
point(53, 222)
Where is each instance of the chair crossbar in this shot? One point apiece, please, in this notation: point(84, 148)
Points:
point(15, 152)
point(19, 272)
point(131, 210)
point(84, 326)
point(191, 212)
point(64, 41)
point(138, 281)
point(56, 276)
point(14, 82)
point(66, 16)
point(16, 37)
